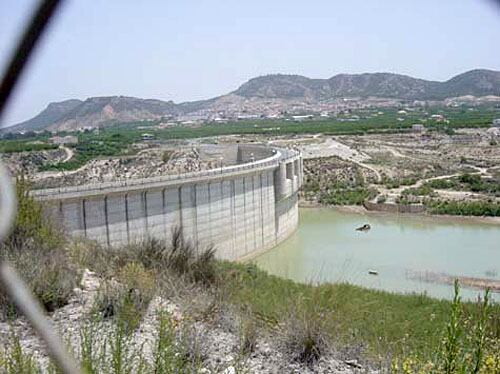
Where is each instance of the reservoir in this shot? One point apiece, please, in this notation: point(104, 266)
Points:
point(403, 253)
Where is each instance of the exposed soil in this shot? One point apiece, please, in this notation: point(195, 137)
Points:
point(217, 341)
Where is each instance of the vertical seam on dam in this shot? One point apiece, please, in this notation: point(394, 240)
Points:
point(254, 214)
point(194, 200)
point(209, 213)
point(261, 213)
point(233, 213)
point(164, 212)
point(127, 224)
point(145, 207)
point(84, 214)
point(106, 219)
point(181, 221)
point(244, 193)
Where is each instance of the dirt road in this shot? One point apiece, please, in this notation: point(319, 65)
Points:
point(69, 153)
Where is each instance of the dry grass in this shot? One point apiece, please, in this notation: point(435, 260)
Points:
point(127, 296)
point(38, 251)
point(248, 332)
point(179, 257)
point(303, 336)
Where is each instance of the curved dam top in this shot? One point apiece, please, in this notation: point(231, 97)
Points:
point(243, 208)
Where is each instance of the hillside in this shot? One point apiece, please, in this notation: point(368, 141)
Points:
point(74, 114)
point(50, 115)
point(474, 82)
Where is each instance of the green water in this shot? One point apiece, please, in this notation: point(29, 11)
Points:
point(327, 248)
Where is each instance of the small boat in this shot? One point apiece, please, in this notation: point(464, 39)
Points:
point(365, 227)
point(372, 272)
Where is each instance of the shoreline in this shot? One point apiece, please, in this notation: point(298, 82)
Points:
point(359, 209)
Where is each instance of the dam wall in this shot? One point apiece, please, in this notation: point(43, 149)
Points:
point(241, 209)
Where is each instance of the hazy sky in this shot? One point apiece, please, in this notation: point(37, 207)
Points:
point(187, 50)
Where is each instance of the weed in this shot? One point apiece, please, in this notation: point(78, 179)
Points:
point(451, 345)
point(164, 357)
point(464, 348)
point(127, 297)
point(32, 229)
point(15, 361)
point(90, 354)
point(248, 333)
point(181, 257)
point(304, 335)
point(36, 249)
point(480, 335)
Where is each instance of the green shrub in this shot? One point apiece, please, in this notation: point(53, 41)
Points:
point(247, 333)
point(304, 336)
point(347, 196)
point(109, 349)
point(180, 258)
point(469, 178)
point(391, 183)
point(464, 208)
point(451, 351)
point(90, 148)
point(442, 184)
point(311, 186)
point(127, 297)
point(168, 356)
point(424, 190)
point(13, 146)
point(166, 156)
point(37, 251)
point(467, 346)
point(31, 227)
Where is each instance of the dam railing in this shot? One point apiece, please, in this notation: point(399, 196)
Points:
point(281, 155)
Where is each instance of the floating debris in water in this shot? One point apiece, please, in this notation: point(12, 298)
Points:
point(365, 227)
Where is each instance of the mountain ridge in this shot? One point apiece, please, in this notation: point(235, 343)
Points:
point(74, 113)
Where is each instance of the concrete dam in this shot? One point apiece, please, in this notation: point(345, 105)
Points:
point(242, 209)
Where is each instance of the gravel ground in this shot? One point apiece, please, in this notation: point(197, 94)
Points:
point(218, 347)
